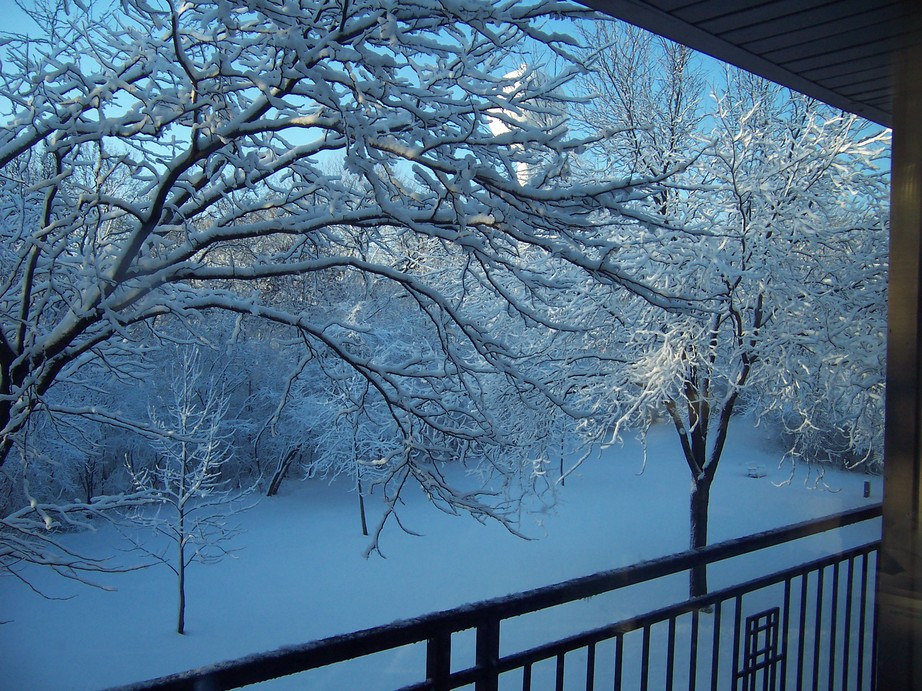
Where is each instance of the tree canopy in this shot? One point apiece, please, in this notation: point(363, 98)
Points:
point(383, 216)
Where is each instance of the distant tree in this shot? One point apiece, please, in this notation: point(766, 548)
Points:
point(63, 475)
point(34, 523)
point(191, 499)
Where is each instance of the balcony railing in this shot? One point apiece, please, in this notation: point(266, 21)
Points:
point(805, 626)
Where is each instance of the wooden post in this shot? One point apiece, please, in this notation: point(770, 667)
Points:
point(899, 574)
point(488, 655)
point(438, 660)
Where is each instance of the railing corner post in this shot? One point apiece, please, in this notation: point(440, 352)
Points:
point(488, 655)
point(438, 660)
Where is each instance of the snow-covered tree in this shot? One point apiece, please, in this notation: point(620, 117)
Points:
point(191, 499)
point(645, 92)
point(776, 229)
point(64, 474)
point(170, 159)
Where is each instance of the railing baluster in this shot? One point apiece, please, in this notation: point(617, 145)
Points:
point(818, 628)
point(864, 600)
point(590, 667)
point(715, 649)
point(526, 677)
point(560, 671)
point(670, 654)
point(737, 653)
point(862, 619)
point(786, 623)
point(619, 659)
point(847, 634)
point(693, 653)
point(801, 642)
point(833, 620)
point(873, 684)
point(645, 660)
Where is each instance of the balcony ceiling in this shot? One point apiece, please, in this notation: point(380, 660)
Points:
point(838, 51)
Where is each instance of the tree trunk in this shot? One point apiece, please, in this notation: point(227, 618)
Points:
point(362, 513)
point(281, 470)
point(700, 497)
point(181, 572)
point(358, 487)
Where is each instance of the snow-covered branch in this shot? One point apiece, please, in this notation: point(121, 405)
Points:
point(163, 155)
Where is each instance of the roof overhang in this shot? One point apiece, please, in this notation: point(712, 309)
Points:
point(838, 51)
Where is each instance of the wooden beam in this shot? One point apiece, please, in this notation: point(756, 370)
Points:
point(899, 585)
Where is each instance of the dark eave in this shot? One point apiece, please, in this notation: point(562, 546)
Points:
point(838, 51)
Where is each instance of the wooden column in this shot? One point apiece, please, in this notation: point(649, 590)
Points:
point(899, 586)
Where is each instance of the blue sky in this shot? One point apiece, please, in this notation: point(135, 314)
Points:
point(15, 20)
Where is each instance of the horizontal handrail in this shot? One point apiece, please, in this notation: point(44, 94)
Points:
point(293, 659)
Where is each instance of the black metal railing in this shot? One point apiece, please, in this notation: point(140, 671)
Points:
point(805, 626)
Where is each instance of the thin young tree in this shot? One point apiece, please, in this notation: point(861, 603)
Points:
point(192, 501)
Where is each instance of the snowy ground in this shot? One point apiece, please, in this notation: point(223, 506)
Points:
point(300, 574)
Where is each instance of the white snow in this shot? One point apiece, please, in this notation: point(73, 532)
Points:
point(300, 574)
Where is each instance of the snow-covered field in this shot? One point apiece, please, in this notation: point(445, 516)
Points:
point(300, 573)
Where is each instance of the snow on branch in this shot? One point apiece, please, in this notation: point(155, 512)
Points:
point(162, 154)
